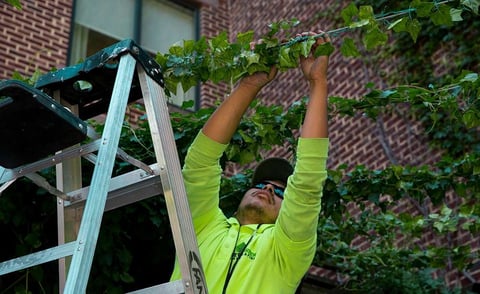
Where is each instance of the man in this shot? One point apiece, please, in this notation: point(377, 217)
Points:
point(269, 244)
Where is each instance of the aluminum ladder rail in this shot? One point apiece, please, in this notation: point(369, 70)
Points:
point(169, 171)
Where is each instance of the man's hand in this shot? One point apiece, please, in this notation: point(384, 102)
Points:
point(258, 80)
point(315, 68)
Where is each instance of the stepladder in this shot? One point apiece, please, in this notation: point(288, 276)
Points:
point(56, 107)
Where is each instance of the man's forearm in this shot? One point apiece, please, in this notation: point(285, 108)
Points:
point(315, 124)
point(224, 121)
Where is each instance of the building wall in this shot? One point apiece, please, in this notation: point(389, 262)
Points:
point(34, 38)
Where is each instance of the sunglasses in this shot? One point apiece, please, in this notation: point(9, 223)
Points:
point(279, 191)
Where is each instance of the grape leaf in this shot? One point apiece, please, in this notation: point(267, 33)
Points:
point(348, 48)
point(349, 13)
point(374, 37)
point(472, 4)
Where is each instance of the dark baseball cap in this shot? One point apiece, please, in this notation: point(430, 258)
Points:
point(273, 169)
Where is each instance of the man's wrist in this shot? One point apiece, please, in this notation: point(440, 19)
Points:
point(318, 84)
point(250, 88)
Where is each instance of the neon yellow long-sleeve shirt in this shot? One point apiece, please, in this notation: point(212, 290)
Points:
point(278, 255)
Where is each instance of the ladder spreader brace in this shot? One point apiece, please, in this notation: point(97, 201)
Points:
point(104, 83)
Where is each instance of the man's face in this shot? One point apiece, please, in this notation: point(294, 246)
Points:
point(261, 203)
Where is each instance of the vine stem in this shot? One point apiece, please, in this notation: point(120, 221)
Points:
point(338, 31)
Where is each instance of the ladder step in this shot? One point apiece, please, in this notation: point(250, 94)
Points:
point(37, 258)
point(11, 174)
point(125, 189)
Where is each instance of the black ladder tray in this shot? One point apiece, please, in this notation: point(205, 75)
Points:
point(90, 84)
point(33, 125)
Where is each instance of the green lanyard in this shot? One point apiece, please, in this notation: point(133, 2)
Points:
point(234, 258)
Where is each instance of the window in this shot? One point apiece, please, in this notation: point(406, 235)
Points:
point(154, 24)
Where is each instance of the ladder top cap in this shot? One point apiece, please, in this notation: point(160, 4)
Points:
point(89, 84)
point(105, 58)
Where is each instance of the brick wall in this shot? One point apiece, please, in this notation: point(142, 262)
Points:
point(35, 37)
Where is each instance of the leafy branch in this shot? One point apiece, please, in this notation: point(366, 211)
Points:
point(434, 99)
point(218, 60)
point(449, 113)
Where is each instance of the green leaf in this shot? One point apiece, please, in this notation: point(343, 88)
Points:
point(413, 27)
point(246, 137)
point(406, 24)
point(127, 278)
point(220, 41)
point(188, 46)
point(286, 25)
point(470, 119)
point(423, 9)
point(201, 45)
point(246, 156)
point(245, 38)
point(374, 37)
point(472, 4)
point(15, 3)
point(324, 50)
point(348, 48)
point(470, 77)
point(387, 93)
point(366, 12)
point(251, 57)
point(439, 226)
point(306, 46)
point(395, 23)
point(476, 170)
point(176, 50)
point(456, 14)
point(400, 25)
point(285, 59)
point(349, 13)
point(442, 16)
point(446, 211)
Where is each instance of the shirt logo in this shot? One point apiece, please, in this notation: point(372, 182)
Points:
point(240, 251)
